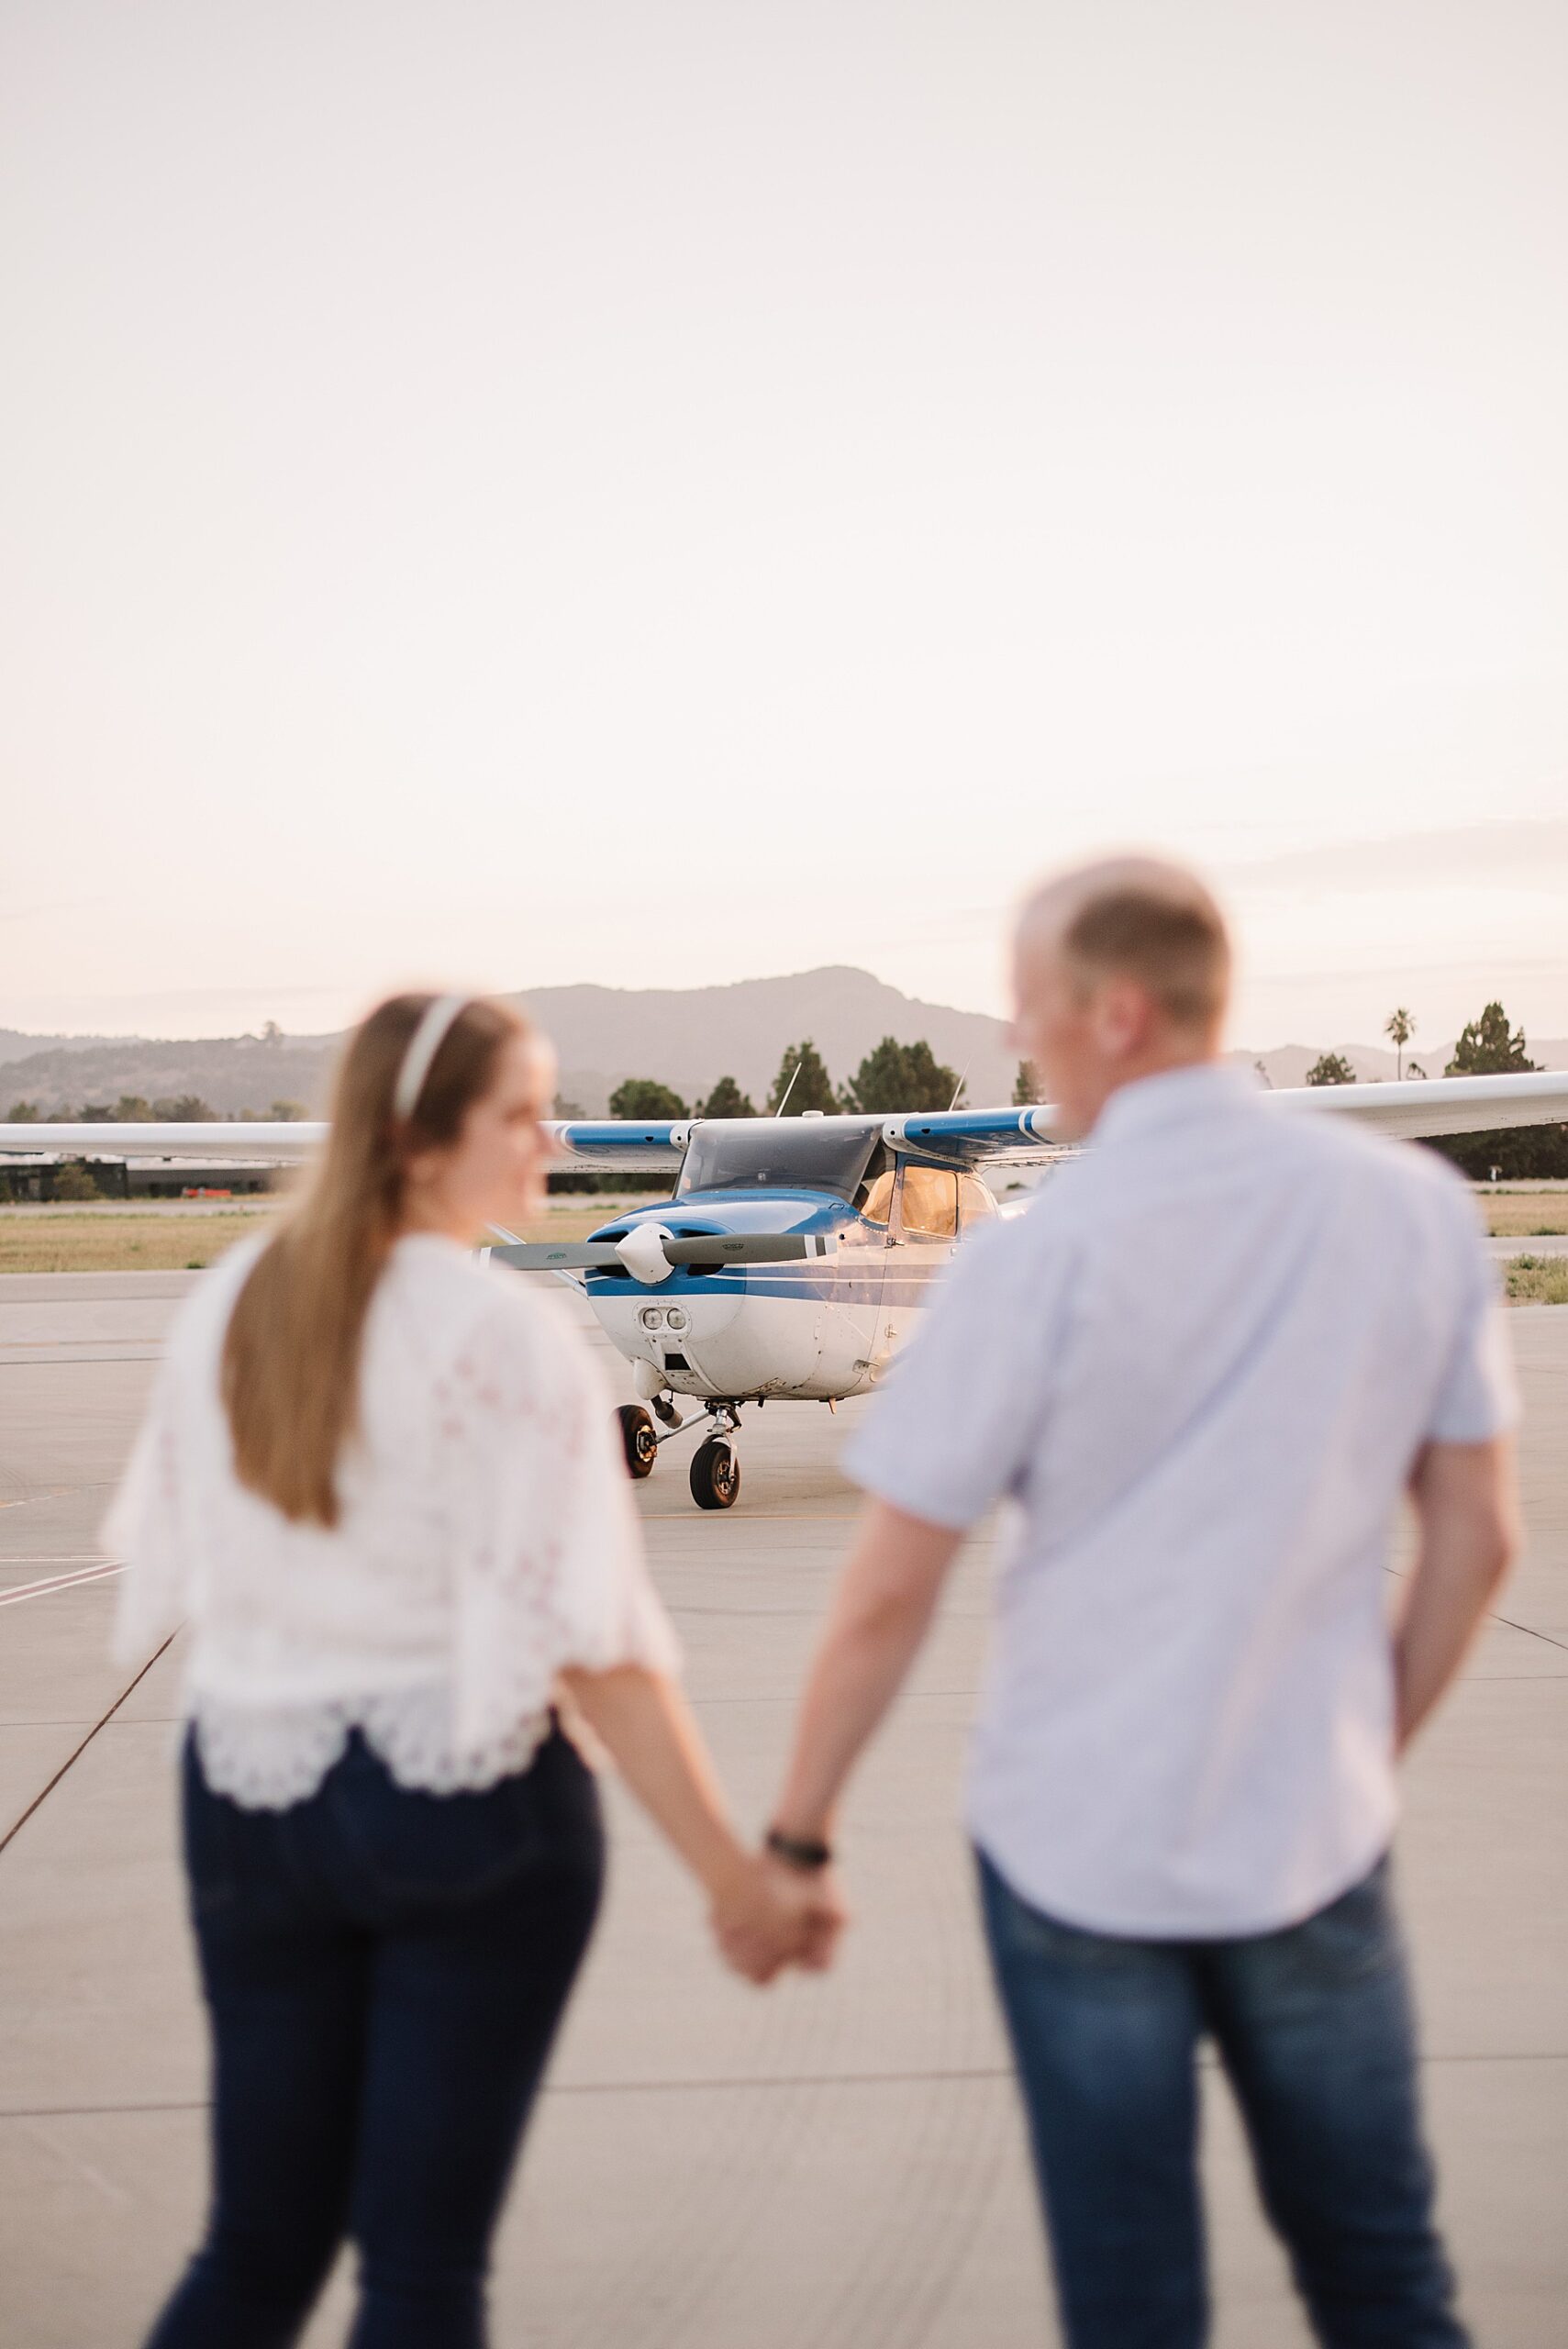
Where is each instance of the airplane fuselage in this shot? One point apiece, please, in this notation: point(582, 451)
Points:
point(815, 1332)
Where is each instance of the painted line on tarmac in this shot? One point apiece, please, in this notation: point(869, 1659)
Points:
point(71, 1759)
point(56, 1582)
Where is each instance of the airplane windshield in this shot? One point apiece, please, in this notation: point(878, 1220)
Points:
point(796, 1155)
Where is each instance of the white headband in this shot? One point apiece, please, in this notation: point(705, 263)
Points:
point(423, 1045)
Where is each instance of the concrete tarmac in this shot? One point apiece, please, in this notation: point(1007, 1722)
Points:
point(827, 2163)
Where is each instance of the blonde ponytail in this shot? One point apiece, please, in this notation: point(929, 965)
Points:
point(291, 1356)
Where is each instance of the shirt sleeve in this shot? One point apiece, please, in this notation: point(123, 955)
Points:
point(964, 1406)
point(1477, 1395)
point(552, 1572)
point(141, 1531)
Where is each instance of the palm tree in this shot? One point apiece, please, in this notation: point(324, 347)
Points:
point(1401, 1026)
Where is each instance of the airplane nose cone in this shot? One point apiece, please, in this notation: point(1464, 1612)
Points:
point(642, 1253)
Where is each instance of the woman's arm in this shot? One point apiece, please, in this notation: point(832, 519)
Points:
point(765, 1916)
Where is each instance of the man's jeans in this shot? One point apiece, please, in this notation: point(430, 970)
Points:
point(1315, 2030)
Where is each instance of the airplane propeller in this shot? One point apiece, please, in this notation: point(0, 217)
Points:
point(649, 1253)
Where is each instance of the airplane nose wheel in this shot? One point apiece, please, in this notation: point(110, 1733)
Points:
point(715, 1473)
point(637, 1440)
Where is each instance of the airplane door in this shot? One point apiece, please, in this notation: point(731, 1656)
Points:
point(924, 1235)
point(862, 1266)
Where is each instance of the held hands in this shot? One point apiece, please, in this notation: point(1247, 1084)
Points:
point(768, 1915)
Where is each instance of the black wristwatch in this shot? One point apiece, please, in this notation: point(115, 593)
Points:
point(802, 1852)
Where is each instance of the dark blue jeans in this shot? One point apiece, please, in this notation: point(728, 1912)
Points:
point(384, 1972)
point(1315, 2029)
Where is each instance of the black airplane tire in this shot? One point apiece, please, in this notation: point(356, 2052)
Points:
point(715, 1473)
point(638, 1442)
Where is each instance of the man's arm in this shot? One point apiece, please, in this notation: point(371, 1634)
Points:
point(881, 1614)
point(1466, 1508)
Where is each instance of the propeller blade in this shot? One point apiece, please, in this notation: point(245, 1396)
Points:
point(551, 1256)
point(711, 1248)
point(751, 1247)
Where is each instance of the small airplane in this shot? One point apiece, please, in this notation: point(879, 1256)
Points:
point(795, 1254)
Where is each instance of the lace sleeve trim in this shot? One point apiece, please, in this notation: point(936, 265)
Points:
point(142, 1529)
point(553, 1574)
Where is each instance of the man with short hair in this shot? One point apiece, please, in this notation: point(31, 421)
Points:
point(1203, 1369)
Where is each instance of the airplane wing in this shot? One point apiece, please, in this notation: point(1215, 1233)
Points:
point(1420, 1108)
point(272, 1140)
point(606, 1142)
point(1416, 1109)
point(973, 1136)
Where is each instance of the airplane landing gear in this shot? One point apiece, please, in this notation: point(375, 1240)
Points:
point(715, 1473)
point(637, 1440)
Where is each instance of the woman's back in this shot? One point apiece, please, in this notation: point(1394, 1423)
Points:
point(483, 1538)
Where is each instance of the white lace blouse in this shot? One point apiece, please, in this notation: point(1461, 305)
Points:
point(485, 1540)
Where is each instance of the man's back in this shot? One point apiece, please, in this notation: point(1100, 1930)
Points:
point(1203, 1364)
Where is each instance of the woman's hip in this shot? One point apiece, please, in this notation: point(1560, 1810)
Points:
point(364, 1851)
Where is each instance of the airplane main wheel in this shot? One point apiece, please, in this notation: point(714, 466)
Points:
point(715, 1473)
point(637, 1440)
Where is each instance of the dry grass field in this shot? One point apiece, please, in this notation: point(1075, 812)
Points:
point(176, 1238)
point(108, 1236)
point(1537, 1280)
point(1519, 1214)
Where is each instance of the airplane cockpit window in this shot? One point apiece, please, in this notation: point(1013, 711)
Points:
point(795, 1154)
point(874, 1197)
point(875, 1200)
point(930, 1203)
point(975, 1204)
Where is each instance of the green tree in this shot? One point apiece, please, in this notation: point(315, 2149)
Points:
point(74, 1180)
point(803, 1077)
point(183, 1110)
point(1400, 1026)
point(900, 1077)
point(287, 1113)
point(641, 1100)
point(94, 1113)
point(130, 1109)
point(1027, 1087)
point(1331, 1068)
point(25, 1113)
point(1488, 1048)
point(727, 1100)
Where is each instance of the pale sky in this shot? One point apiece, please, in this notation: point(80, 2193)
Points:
point(662, 494)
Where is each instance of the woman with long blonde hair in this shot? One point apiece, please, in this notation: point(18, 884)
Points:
point(378, 1481)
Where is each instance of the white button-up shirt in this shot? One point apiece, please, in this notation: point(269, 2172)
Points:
point(1201, 1368)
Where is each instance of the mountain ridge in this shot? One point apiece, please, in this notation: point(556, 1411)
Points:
point(684, 1037)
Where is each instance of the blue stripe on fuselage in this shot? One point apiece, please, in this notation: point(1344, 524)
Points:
point(863, 1270)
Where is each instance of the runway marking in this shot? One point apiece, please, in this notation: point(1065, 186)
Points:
point(43, 1795)
point(55, 1582)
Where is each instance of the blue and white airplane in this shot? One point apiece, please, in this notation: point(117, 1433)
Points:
point(795, 1254)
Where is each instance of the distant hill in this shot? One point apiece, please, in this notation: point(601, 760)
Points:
point(685, 1036)
point(233, 1073)
point(16, 1046)
point(689, 1037)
